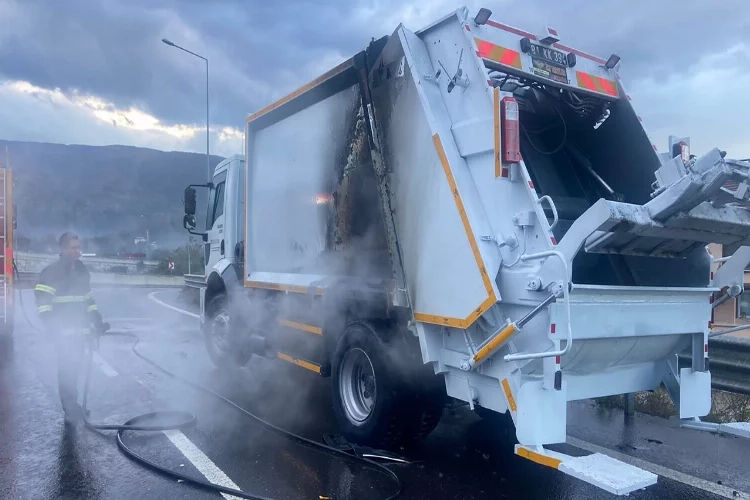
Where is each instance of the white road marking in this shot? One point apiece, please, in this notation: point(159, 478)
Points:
point(129, 319)
point(680, 477)
point(201, 462)
point(152, 296)
point(103, 365)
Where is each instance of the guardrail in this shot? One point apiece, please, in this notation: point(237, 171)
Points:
point(28, 279)
point(729, 362)
point(195, 280)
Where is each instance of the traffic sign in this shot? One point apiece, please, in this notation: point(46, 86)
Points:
point(171, 266)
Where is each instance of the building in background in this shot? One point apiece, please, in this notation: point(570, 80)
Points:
point(733, 312)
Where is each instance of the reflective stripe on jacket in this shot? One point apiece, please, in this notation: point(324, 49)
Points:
point(64, 299)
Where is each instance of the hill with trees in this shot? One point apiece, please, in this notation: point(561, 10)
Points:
point(110, 195)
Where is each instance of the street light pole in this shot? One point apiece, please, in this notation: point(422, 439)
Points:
point(208, 157)
point(190, 249)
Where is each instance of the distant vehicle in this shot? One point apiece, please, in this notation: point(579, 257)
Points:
point(475, 211)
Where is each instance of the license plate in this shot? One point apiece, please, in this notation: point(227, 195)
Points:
point(549, 63)
point(549, 55)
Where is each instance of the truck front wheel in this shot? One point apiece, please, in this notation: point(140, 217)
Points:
point(374, 400)
point(223, 343)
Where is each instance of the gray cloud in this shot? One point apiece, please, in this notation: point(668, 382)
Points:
point(653, 37)
point(112, 49)
point(259, 50)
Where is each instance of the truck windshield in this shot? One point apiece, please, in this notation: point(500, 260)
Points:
point(219, 204)
point(216, 195)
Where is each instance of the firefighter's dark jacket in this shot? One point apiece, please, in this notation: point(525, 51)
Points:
point(64, 298)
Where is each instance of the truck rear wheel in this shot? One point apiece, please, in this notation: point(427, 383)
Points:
point(221, 333)
point(374, 402)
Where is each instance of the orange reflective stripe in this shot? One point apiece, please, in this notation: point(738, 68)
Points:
point(584, 80)
point(597, 84)
point(506, 57)
point(608, 86)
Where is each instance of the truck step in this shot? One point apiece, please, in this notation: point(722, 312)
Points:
point(596, 469)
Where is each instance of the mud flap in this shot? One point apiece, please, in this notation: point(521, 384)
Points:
point(542, 414)
point(695, 393)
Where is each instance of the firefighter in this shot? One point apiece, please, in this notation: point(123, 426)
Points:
point(71, 319)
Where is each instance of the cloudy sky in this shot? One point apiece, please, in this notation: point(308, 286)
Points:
point(95, 71)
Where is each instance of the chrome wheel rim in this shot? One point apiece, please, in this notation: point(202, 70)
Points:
point(357, 385)
point(220, 331)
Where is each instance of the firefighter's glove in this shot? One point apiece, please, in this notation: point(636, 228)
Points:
point(98, 331)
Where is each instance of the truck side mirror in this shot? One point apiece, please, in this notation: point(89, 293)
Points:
point(190, 203)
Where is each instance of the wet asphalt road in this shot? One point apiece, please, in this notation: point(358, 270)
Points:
point(465, 458)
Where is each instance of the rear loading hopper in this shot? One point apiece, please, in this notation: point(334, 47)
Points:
point(541, 247)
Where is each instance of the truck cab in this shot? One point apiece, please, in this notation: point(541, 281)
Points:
point(224, 211)
point(223, 243)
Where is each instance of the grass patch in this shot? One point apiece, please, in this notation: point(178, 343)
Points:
point(725, 406)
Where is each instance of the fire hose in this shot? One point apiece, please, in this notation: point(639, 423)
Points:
point(155, 421)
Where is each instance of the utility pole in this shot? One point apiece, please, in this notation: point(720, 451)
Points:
point(190, 250)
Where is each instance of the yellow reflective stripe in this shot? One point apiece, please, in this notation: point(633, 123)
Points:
point(92, 308)
point(72, 298)
point(44, 308)
point(45, 288)
point(299, 362)
point(538, 457)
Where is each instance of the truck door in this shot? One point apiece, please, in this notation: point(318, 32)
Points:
point(215, 221)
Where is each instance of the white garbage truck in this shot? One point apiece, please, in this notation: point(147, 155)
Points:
point(471, 211)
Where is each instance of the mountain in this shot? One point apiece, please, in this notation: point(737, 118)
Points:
point(102, 192)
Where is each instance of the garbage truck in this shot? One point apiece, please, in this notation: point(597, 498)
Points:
point(470, 211)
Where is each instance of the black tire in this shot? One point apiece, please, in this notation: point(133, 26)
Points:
point(400, 414)
point(234, 354)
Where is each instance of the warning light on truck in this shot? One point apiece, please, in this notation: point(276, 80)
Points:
point(682, 150)
point(612, 61)
point(482, 16)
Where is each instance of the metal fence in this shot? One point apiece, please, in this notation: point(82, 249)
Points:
point(729, 362)
point(195, 280)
